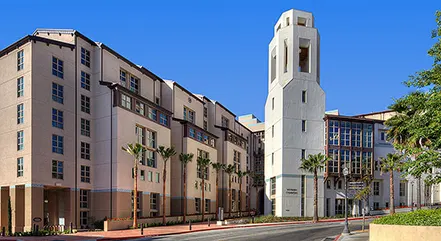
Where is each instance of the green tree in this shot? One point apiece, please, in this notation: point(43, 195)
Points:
point(229, 170)
point(218, 167)
point(391, 163)
point(203, 164)
point(240, 174)
point(136, 151)
point(257, 184)
point(314, 164)
point(185, 159)
point(166, 154)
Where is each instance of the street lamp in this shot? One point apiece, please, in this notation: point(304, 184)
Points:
point(411, 196)
point(345, 174)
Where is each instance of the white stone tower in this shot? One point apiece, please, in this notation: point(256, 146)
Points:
point(294, 113)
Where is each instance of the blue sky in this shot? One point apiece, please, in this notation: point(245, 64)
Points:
point(219, 48)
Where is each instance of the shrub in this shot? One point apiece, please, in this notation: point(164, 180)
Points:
point(416, 218)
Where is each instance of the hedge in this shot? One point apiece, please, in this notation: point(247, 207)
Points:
point(416, 218)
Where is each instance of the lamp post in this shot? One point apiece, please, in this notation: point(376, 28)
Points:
point(345, 174)
point(411, 196)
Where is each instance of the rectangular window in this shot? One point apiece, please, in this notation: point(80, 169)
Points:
point(402, 189)
point(367, 161)
point(85, 174)
point(85, 80)
point(57, 169)
point(57, 144)
point(154, 204)
point(20, 167)
point(58, 93)
point(126, 101)
point(236, 160)
point(151, 158)
point(345, 133)
point(200, 173)
point(382, 136)
point(158, 101)
point(157, 177)
point(85, 127)
point(339, 206)
point(285, 60)
point(20, 60)
point(304, 59)
point(273, 206)
point(367, 135)
point(304, 96)
point(376, 188)
point(328, 184)
point(20, 87)
point(84, 218)
point(272, 103)
point(333, 132)
point(301, 21)
point(273, 65)
point(272, 131)
point(225, 122)
point(85, 104)
point(191, 133)
point(163, 119)
point(139, 108)
point(303, 125)
point(356, 134)
point(272, 159)
point(376, 205)
point(134, 84)
point(333, 163)
point(205, 112)
point(189, 114)
point(20, 140)
point(57, 67)
point(123, 78)
point(85, 57)
point(273, 186)
point(85, 150)
point(355, 161)
point(303, 154)
point(140, 134)
point(205, 125)
point(57, 118)
point(20, 114)
point(142, 175)
point(207, 205)
point(152, 114)
point(197, 205)
point(84, 198)
point(344, 159)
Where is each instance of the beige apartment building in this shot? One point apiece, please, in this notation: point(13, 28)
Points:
point(69, 104)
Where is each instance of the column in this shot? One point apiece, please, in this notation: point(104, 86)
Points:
point(34, 200)
point(4, 197)
point(18, 208)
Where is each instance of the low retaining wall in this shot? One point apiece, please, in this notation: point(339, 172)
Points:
point(379, 232)
point(110, 225)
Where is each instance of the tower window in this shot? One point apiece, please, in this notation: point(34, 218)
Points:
point(304, 96)
point(285, 64)
point(301, 21)
point(287, 21)
point(303, 125)
point(273, 64)
point(272, 103)
point(304, 56)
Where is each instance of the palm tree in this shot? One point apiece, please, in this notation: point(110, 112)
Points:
point(391, 163)
point(166, 153)
point(314, 164)
point(185, 159)
point(217, 167)
point(256, 184)
point(240, 174)
point(203, 164)
point(229, 170)
point(135, 150)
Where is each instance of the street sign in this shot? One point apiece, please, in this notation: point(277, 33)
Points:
point(356, 185)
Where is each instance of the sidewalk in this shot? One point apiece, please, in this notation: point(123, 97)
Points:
point(159, 231)
point(355, 236)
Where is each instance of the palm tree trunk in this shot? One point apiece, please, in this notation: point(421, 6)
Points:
point(185, 194)
point(315, 218)
point(164, 176)
point(240, 197)
point(229, 197)
point(217, 194)
point(135, 195)
point(392, 206)
point(203, 198)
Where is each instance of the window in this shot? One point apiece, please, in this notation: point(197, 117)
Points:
point(345, 133)
point(301, 21)
point(152, 114)
point(304, 60)
point(158, 101)
point(123, 78)
point(207, 205)
point(134, 84)
point(376, 188)
point(287, 21)
point(157, 177)
point(20, 168)
point(355, 160)
point(272, 159)
point(387, 204)
point(57, 118)
point(85, 127)
point(20, 60)
point(200, 173)
point(402, 189)
point(205, 125)
point(142, 175)
point(285, 60)
point(84, 198)
point(205, 112)
point(356, 134)
point(154, 204)
point(377, 165)
point(57, 169)
point(367, 135)
point(20, 140)
point(273, 64)
point(304, 96)
point(139, 132)
point(84, 218)
point(57, 67)
point(85, 174)
point(20, 114)
point(273, 206)
point(236, 160)
point(303, 125)
point(367, 160)
point(150, 176)
point(344, 159)
point(328, 184)
point(57, 144)
point(225, 122)
point(339, 206)
point(20, 87)
point(139, 108)
point(272, 103)
point(85, 57)
point(333, 132)
point(85, 150)
point(272, 131)
point(333, 163)
point(85, 80)
point(273, 186)
point(57, 93)
point(163, 120)
point(85, 104)
point(199, 136)
point(303, 156)
point(191, 133)
point(340, 184)
point(138, 203)
point(126, 101)
point(197, 205)
point(189, 115)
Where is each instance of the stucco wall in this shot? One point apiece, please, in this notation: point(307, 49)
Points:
point(403, 233)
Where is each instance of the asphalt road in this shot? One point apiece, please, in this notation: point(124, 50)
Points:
point(307, 232)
